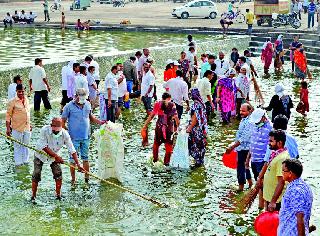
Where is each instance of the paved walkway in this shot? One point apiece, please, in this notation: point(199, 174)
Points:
point(148, 14)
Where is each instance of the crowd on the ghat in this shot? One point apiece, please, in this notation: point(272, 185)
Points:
point(204, 88)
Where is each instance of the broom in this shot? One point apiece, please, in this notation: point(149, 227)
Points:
point(246, 201)
point(257, 91)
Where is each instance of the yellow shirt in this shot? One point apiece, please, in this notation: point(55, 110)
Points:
point(19, 114)
point(270, 180)
point(249, 18)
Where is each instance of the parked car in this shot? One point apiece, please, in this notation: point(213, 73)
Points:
point(106, 1)
point(197, 8)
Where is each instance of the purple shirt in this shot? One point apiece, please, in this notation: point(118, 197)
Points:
point(259, 141)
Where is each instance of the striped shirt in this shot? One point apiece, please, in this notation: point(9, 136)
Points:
point(243, 134)
point(297, 199)
point(259, 141)
point(291, 145)
point(312, 8)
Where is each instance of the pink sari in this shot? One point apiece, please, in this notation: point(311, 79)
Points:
point(266, 55)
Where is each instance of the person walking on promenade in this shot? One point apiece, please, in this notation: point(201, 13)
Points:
point(273, 182)
point(167, 117)
point(39, 84)
point(249, 20)
point(280, 103)
point(197, 129)
point(78, 114)
point(311, 12)
point(46, 10)
point(18, 125)
point(267, 55)
point(51, 139)
point(178, 89)
point(242, 145)
point(111, 96)
point(296, 205)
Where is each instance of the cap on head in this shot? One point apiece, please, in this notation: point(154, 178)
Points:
point(257, 115)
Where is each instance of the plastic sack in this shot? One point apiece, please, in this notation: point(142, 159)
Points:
point(103, 107)
point(110, 150)
point(180, 155)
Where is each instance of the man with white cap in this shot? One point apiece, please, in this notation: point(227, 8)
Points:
point(280, 103)
point(258, 143)
point(51, 139)
point(78, 113)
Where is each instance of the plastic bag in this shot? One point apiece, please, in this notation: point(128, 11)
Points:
point(110, 150)
point(103, 107)
point(180, 155)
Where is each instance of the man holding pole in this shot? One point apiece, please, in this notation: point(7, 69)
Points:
point(52, 138)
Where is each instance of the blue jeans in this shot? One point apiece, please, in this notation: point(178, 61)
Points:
point(82, 148)
point(249, 29)
point(310, 19)
point(242, 172)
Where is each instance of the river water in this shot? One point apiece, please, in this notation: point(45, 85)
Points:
point(201, 201)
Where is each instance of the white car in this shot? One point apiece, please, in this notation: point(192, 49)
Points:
point(197, 8)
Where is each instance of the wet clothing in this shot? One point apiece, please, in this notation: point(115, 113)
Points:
point(164, 129)
point(304, 96)
point(266, 55)
point(227, 98)
point(300, 64)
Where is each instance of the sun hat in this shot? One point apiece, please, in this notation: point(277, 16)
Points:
point(257, 115)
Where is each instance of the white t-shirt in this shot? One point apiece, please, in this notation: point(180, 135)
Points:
point(82, 82)
point(112, 83)
point(64, 77)
point(242, 83)
point(190, 57)
point(96, 71)
point(222, 66)
point(204, 87)
point(178, 90)
point(37, 74)
point(147, 80)
point(12, 91)
point(122, 86)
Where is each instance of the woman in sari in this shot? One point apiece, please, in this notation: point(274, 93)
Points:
point(197, 128)
point(279, 60)
point(184, 66)
point(300, 61)
point(266, 55)
point(226, 95)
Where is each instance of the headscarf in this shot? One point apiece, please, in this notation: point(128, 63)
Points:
point(196, 97)
point(279, 90)
point(200, 113)
point(266, 43)
point(280, 37)
point(230, 71)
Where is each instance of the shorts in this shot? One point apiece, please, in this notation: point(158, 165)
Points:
point(120, 102)
point(65, 98)
point(256, 168)
point(147, 103)
point(82, 148)
point(55, 167)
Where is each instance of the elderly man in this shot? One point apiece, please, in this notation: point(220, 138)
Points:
point(295, 212)
point(222, 65)
point(178, 90)
point(18, 119)
point(78, 114)
point(52, 138)
point(241, 145)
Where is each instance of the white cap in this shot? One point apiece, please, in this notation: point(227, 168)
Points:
point(169, 61)
point(176, 63)
point(279, 90)
point(257, 115)
point(208, 53)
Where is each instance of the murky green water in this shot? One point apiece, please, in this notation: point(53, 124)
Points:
point(201, 200)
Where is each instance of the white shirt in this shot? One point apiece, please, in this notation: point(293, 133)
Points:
point(82, 82)
point(143, 59)
point(23, 16)
point(299, 6)
point(222, 66)
point(37, 74)
point(204, 87)
point(8, 18)
point(111, 82)
point(32, 16)
point(190, 57)
point(64, 77)
point(242, 83)
point(178, 90)
point(123, 85)
point(306, 3)
point(47, 139)
point(97, 69)
point(147, 80)
point(12, 91)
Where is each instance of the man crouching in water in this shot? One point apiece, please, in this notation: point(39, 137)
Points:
point(52, 138)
